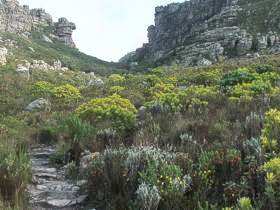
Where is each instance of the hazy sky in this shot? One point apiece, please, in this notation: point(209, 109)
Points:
point(107, 29)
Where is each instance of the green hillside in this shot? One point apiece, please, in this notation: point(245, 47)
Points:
point(70, 57)
point(208, 137)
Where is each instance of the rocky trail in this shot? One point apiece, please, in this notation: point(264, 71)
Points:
point(50, 189)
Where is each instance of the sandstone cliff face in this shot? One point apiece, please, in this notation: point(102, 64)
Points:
point(15, 18)
point(201, 32)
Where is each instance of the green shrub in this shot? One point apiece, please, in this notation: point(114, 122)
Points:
point(264, 68)
point(239, 76)
point(245, 204)
point(14, 171)
point(115, 109)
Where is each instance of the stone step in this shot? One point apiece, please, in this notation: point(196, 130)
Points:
point(47, 176)
point(40, 169)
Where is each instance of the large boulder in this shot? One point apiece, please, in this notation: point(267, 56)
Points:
point(40, 104)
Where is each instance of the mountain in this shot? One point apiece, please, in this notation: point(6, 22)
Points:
point(37, 36)
point(202, 32)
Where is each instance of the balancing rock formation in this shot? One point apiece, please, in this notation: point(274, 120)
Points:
point(15, 18)
point(202, 32)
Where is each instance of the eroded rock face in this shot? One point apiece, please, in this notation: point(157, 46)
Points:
point(15, 18)
point(64, 30)
point(198, 30)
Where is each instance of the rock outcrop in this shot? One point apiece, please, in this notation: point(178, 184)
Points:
point(15, 18)
point(64, 30)
point(201, 32)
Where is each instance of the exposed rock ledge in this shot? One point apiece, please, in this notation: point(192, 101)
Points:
point(208, 31)
point(15, 18)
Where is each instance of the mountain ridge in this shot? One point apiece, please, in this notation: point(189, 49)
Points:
point(203, 32)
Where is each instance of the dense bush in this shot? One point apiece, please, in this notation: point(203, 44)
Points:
point(237, 77)
point(66, 92)
point(115, 109)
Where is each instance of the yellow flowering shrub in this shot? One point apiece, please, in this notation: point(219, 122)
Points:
point(272, 169)
point(245, 203)
point(66, 92)
point(116, 89)
point(119, 111)
point(272, 179)
point(160, 88)
point(257, 87)
point(204, 77)
point(42, 88)
point(116, 78)
point(271, 131)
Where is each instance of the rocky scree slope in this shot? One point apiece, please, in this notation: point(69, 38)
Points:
point(202, 32)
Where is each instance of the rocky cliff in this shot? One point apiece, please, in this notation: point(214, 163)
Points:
point(202, 32)
point(15, 18)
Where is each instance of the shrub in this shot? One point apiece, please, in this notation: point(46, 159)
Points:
point(115, 78)
point(245, 204)
point(272, 169)
point(66, 92)
point(169, 179)
point(251, 90)
point(43, 88)
point(239, 76)
point(77, 131)
point(147, 197)
point(271, 131)
point(116, 89)
point(204, 77)
point(118, 111)
point(264, 68)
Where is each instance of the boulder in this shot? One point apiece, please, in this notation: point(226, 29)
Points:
point(95, 82)
point(204, 62)
point(46, 38)
point(57, 65)
point(40, 104)
point(23, 71)
point(3, 55)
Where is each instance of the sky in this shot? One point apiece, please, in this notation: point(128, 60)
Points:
point(107, 29)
